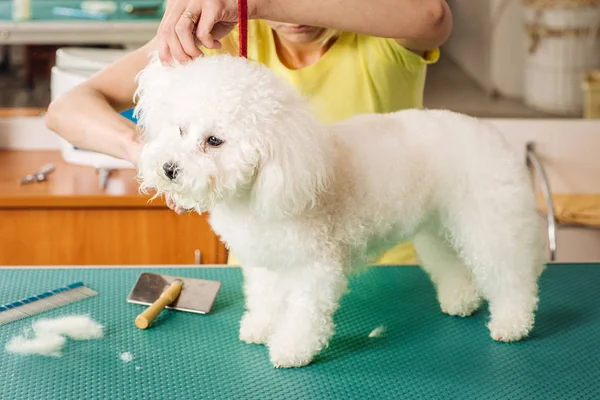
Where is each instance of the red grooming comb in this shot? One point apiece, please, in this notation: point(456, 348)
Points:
point(243, 27)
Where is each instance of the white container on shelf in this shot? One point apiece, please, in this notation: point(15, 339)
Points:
point(73, 66)
point(564, 46)
point(21, 10)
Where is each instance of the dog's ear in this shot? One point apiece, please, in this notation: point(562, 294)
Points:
point(295, 166)
point(152, 83)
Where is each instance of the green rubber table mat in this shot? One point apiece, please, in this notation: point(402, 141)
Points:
point(423, 354)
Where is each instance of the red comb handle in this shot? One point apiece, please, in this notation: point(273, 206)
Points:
point(243, 27)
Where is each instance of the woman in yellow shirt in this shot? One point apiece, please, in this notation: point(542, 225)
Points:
point(371, 58)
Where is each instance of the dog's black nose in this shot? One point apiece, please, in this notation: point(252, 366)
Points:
point(170, 169)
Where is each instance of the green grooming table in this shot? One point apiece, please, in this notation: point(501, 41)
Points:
point(423, 354)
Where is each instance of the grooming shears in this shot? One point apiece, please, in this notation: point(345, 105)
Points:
point(38, 176)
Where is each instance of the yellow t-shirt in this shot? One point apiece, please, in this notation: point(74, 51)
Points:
point(358, 74)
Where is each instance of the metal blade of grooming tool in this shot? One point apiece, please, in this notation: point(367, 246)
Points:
point(38, 176)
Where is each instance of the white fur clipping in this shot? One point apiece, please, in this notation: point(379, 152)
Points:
point(127, 357)
point(76, 327)
point(48, 336)
point(377, 332)
point(45, 345)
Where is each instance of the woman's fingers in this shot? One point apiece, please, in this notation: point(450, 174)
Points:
point(169, 47)
point(185, 29)
point(169, 201)
point(171, 204)
point(175, 47)
point(164, 53)
point(208, 19)
point(188, 24)
point(218, 18)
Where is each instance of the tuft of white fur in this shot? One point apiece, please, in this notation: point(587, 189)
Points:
point(377, 332)
point(76, 327)
point(46, 345)
point(48, 335)
point(303, 205)
point(126, 357)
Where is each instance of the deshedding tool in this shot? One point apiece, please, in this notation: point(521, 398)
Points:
point(166, 291)
point(44, 302)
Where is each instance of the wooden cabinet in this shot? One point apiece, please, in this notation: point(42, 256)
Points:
point(70, 220)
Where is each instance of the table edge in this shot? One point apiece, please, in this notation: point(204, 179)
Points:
point(192, 266)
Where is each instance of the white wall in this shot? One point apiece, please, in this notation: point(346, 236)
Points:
point(509, 44)
point(468, 46)
point(489, 43)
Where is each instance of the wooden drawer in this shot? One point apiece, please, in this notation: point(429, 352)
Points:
point(70, 220)
point(106, 236)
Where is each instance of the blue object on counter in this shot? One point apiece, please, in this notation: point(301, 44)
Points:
point(129, 115)
point(79, 13)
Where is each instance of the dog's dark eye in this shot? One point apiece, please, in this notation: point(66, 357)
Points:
point(180, 131)
point(214, 141)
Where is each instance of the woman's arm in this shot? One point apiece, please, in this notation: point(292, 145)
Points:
point(88, 117)
point(416, 24)
point(425, 23)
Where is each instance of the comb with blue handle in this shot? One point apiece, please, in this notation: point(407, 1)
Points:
point(44, 302)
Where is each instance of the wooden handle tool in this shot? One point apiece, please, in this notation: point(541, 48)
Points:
point(167, 297)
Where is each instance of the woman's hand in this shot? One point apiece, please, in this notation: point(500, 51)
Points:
point(187, 24)
point(424, 23)
point(134, 150)
point(171, 204)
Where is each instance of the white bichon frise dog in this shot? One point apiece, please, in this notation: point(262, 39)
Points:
point(303, 205)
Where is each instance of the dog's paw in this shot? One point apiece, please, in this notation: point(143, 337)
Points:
point(287, 355)
point(296, 344)
point(510, 327)
point(254, 329)
point(459, 300)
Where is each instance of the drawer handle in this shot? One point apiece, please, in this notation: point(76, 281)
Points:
point(197, 257)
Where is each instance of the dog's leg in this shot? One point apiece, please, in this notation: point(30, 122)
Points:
point(502, 252)
point(457, 293)
point(307, 323)
point(265, 295)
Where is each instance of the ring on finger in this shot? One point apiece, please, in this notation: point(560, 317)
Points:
point(191, 16)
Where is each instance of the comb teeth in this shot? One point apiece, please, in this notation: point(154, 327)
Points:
point(43, 302)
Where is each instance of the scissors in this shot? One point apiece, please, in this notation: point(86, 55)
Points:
point(39, 176)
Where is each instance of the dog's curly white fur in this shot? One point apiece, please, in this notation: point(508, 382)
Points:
point(303, 205)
